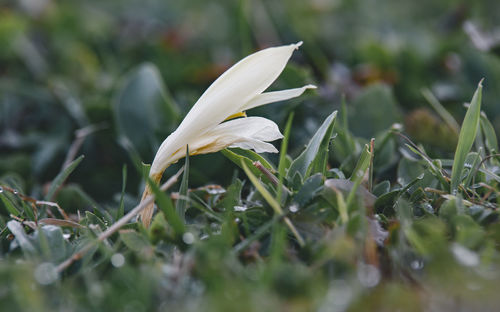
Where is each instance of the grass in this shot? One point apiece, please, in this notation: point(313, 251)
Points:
point(383, 205)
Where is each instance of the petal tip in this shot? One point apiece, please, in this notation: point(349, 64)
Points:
point(310, 86)
point(297, 45)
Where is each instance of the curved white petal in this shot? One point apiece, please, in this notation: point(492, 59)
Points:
point(256, 145)
point(246, 133)
point(276, 96)
point(229, 94)
point(240, 83)
point(259, 128)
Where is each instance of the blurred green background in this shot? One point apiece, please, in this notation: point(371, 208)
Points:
point(127, 71)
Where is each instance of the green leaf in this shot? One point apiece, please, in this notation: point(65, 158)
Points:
point(91, 218)
point(142, 107)
point(121, 207)
point(8, 205)
point(442, 112)
point(52, 244)
point(61, 177)
point(310, 188)
point(135, 241)
point(362, 164)
point(166, 206)
point(237, 156)
point(272, 202)
point(358, 173)
point(22, 238)
point(472, 165)
point(490, 137)
point(283, 150)
point(466, 138)
point(181, 204)
point(313, 158)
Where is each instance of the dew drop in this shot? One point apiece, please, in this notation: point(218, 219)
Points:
point(188, 238)
point(293, 208)
point(417, 264)
point(46, 273)
point(215, 191)
point(117, 260)
point(368, 275)
point(240, 208)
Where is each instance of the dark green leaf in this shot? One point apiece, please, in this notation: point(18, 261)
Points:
point(466, 138)
point(61, 177)
point(316, 150)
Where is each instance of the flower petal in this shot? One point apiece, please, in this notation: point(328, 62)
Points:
point(228, 95)
point(246, 133)
point(236, 87)
point(276, 96)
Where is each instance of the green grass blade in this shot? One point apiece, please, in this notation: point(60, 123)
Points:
point(272, 202)
point(167, 207)
point(237, 156)
point(283, 151)
point(121, 208)
point(362, 165)
point(11, 209)
point(61, 177)
point(358, 173)
point(466, 137)
point(490, 137)
point(181, 204)
point(443, 113)
point(316, 150)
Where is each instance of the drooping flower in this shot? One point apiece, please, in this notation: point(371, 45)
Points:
point(204, 128)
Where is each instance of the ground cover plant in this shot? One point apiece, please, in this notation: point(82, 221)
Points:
point(383, 195)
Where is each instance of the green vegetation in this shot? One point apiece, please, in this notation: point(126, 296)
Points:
point(384, 196)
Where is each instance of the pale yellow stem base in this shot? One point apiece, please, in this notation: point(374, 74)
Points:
point(147, 213)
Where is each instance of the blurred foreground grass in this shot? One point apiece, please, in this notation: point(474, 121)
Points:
point(387, 227)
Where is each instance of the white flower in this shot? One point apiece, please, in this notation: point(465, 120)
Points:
point(239, 89)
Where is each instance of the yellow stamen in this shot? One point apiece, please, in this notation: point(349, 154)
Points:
point(240, 114)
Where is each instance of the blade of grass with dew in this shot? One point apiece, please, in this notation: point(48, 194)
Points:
point(8, 205)
point(362, 164)
point(466, 138)
point(358, 173)
point(436, 171)
point(256, 235)
point(473, 160)
point(61, 177)
point(272, 202)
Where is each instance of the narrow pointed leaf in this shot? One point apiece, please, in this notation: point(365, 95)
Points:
point(316, 149)
point(466, 138)
point(239, 156)
point(121, 207)
point(181, 204)
point(61, 177)
point(490, 137)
